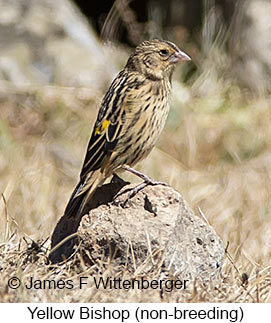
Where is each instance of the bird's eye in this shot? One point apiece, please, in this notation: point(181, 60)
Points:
point(163, 52)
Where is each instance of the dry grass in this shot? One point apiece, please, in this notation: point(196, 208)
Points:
point(215, 150)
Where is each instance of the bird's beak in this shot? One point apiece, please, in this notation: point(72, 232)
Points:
point(179, 56)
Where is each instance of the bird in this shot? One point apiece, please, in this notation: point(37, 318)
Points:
point(130, 119)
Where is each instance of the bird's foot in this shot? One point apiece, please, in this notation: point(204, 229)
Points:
point(133, 191)
point(145, 178)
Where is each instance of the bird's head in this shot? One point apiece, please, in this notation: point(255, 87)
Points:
point(156, 59)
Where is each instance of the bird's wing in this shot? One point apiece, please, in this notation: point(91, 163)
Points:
point(108, 125)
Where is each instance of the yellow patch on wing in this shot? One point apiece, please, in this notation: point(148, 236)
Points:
point(100, 129)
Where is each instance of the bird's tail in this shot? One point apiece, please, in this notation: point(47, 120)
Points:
point(83, 193)
point(63, 238)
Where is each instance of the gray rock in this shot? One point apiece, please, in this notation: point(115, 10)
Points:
point(154, 228)
point(50, 42)
point(253, 46)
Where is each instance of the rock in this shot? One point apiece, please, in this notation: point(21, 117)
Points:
point(154, 227)
point(253, 46)
point(64, 236)
point(50, 42)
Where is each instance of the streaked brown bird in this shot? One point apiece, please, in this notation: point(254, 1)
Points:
point(131, 117)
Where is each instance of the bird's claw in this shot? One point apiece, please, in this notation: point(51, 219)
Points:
point(133, 191)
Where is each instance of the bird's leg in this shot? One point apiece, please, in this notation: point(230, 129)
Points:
point(147, 180)
point(133, 191)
